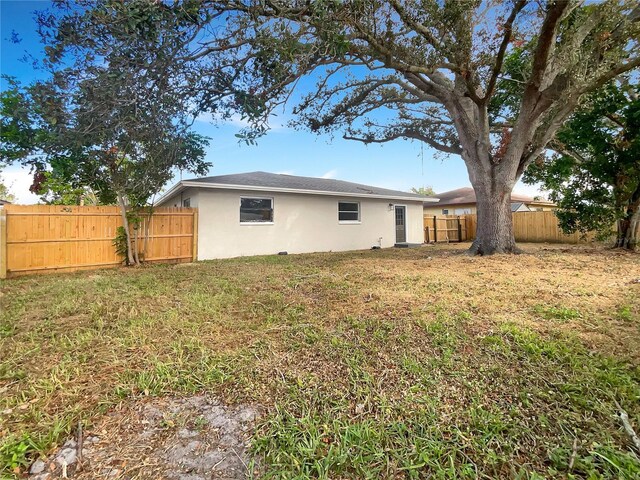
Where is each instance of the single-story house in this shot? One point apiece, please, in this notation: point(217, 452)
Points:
point(463, 200)
point(260, 213)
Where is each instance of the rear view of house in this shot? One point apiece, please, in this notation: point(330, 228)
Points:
point(262, 213)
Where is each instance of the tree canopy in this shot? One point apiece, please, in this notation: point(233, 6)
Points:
point(593, 173)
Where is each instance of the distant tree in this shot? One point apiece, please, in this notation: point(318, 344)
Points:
point(5, 193)
point(594, 173)
point(426, 191)
point(55, 190)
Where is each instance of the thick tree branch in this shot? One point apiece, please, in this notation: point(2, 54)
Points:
point(611, 74)
point(497, 67)
point(407, 133)
point(546, 41)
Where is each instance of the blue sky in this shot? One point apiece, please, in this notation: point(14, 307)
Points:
point(398, 165)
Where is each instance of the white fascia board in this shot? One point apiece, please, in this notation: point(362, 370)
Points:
point(169, 193)
point(253, 188)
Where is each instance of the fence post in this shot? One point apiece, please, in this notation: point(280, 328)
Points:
point(195, 235)
point(3, 242)
point(435, 229)
point(459, 230)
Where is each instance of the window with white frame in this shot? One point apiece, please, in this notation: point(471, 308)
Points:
point(348, 211)
point(256, 210)
point(445, 211)
point(462, 211)
point(186, 202)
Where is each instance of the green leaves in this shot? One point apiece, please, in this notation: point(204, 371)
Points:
point(595, 175)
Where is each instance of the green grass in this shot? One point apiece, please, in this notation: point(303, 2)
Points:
point(369, 365)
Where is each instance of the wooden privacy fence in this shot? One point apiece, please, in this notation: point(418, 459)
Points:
point(542, 227)
point(446, 228)
point(43, 238)
point(527, 227)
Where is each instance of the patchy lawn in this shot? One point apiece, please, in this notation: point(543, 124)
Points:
point(418, 363)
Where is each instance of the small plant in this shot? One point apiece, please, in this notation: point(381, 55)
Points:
point(625, 314)
point(120, 242)
point(200, 423)
point(14, 454)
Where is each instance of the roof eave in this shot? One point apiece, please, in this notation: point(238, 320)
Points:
point(254, 188)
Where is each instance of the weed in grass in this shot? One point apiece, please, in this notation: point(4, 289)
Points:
point(626, 314)
point(558, 313)
point(14, 452)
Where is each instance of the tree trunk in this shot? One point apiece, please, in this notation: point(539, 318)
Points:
point(125, 225)
point(629, 229)
point(136, 251)
point(147, 225)
point(494, 233)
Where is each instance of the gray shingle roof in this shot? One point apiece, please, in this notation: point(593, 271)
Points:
point(278, 181)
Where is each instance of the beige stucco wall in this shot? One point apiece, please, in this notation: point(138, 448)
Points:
point(541, 207)
point(302, 223)
point(437, 210)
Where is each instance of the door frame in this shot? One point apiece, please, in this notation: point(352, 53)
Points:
point(395, 225)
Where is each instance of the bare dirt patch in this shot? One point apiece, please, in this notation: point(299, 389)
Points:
point(195, 438)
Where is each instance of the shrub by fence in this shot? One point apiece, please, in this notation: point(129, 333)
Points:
point(43, 238)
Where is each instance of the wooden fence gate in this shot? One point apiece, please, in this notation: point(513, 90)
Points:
point(446, 228)
point(44, 238)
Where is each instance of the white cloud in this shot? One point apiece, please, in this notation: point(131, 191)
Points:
point(18, 180)
point(330, 174)
point(285, 172)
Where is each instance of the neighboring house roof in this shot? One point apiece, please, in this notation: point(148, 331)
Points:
point(275, 182)
point(519, 207)
point(466, 195)
point(4, 202)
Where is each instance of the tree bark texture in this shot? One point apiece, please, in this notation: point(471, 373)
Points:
point(494, 233)
point(125, 225)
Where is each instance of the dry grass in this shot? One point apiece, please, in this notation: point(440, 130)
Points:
point(371, 364)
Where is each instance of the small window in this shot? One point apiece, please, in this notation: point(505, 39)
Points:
point(186, 202)
point(348, 211)
point(445, 211)
point(462, 211)
point(256, 210)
